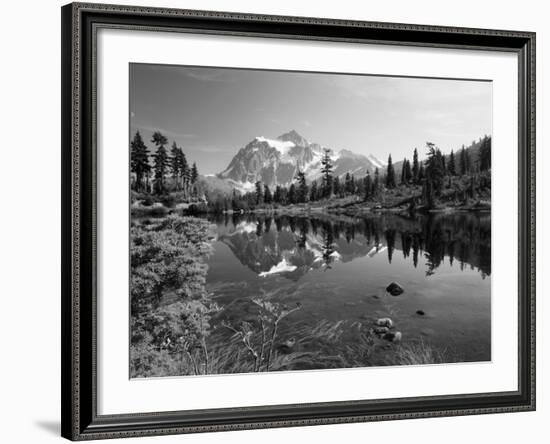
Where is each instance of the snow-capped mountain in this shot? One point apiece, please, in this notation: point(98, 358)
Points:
point(276, 161)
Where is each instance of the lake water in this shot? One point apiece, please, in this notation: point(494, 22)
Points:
point(338, 268)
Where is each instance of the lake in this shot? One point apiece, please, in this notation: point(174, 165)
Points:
point(337, 268)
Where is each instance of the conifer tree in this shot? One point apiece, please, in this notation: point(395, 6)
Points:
point(451, 167)
point(390, 174)
point(415, 167)
point(313, 192)
point(194, 174)
point(175, 163)
point(161, 161)
point(291, 197)
point(302, 189)
point(368, 187)
point(326, 171)
point(268, 198)
point(464, 161)
point(376, 182)
point(337, 187)
point(259, 193)
point(139, 161)
point(485, 154)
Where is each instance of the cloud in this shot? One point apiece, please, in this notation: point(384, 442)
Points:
point(165, 131)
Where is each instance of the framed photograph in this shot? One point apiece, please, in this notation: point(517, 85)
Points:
point(278, 221)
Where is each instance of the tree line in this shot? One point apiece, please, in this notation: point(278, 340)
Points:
point(169, 171)
point(429, 175)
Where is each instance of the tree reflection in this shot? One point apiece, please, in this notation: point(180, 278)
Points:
point(464, 238)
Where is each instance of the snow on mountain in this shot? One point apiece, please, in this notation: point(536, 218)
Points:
point(277, 161)
point(376, 162)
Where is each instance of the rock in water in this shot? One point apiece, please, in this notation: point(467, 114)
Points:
point(394, 289)
point(393, 337)
point(384, 322)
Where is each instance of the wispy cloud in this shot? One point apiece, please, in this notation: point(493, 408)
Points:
point(208, 75)
point(165, 131)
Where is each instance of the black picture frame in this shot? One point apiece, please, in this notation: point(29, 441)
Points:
point(80, 22)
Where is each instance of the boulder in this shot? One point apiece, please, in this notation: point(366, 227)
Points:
point(393, 337)
point(381, 330)
point(394, 289)
point(384, 322)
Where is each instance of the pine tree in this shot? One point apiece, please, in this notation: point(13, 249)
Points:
point(278, 195)
point(337, 187)
point(302, 189)
point(313, 191)
point(485, 154)
point(259, 193)
point(451, 167)
point(435, 172)
point(421, 172)
point(326, 171)
point(161, 161)
point(408, 172)
point(368, 187)
point(175, 163)
point(268, 198)
point(403, 180)
point(194, 174)
point(291, 197)
point(139, 161)
point(185, 172)
point(376, 182)
point(390, 174)
point(464, 161)
point(415, 167)
point(347, 183)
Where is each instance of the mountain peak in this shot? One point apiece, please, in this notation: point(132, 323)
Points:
point(293, 136)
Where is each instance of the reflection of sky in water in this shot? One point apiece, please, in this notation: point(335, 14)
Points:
point(339, 270)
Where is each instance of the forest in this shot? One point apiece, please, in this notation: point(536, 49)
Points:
point(456, 180)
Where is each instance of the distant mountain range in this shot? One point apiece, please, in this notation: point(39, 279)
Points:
point(277, 161)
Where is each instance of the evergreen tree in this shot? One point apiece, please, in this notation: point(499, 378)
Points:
point(139, 161)
point(390, 174)
point(278, 195)
point(194, 174)
point(326, 171)
point(368, 187)
point(268, 198)
point(348, 186)
point(302, 189)
point(421, 173)
point(434, 174)
point(161, 161)
point(415, 167)
point(408, 172)
point(485, 154)
point(337, 187)
point(291, 197)
point(259, 193)
point(464, 161)
point(175, 163)
point(451, 167)
point(376, 182)
point(313, 192)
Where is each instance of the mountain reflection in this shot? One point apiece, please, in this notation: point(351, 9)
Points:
point(291, 246)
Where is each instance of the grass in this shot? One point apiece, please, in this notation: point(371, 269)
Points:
point(418, 353)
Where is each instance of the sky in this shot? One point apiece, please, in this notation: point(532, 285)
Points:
point(213, 112)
